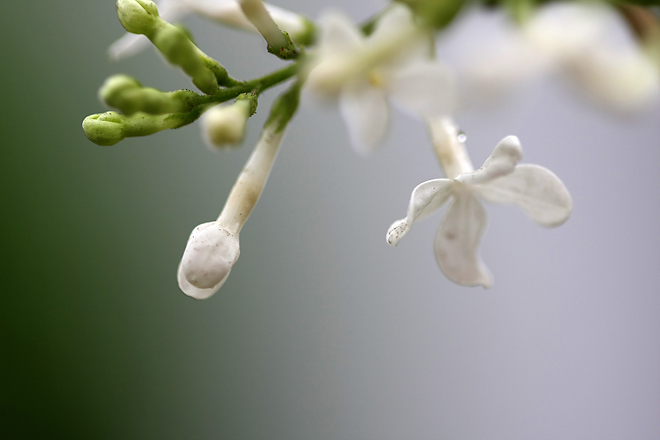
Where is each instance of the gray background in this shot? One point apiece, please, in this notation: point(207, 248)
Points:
point(322, 331)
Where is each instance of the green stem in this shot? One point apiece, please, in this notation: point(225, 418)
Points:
point(258, 85)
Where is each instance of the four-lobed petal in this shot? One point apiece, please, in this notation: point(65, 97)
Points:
point(538, 191)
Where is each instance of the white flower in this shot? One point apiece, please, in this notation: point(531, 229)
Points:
point(589, 44)
point(364, 72)
point(227, 12)
point(500, 180)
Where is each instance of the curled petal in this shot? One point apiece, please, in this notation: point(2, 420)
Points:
point(503, 161)
point(537, 190)
point(366, 113)
point(426, 198)
point(423, 88)
point(457, 242)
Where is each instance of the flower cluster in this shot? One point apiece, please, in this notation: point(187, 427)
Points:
point(389, 58)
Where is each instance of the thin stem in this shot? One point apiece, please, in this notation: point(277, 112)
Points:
point(258, 85)
point(250, 183)
point(449, 148)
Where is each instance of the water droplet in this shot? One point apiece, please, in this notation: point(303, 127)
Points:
point(462, 137)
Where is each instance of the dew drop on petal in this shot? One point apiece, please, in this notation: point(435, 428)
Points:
point(462, 137)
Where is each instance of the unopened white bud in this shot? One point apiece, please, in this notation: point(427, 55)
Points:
point(210, 254)
point(225, 124)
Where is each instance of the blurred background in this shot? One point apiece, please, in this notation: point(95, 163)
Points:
point(322, 331)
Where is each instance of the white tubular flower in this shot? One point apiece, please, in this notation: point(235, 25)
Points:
point(589, 43)
point(500, 180)
point(258, 15)
point(213, 247)
point(226, 12)
point(224, 125)
point(364, 72)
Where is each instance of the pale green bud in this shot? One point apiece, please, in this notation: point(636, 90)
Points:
point(179, 50)
point(126, 94)
point(104, 129)
point(138, 16)
point(115, 87)
point(111, 127)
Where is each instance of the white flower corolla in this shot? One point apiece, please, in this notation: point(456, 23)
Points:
point(226, 12)
point(587, 43)
point(363, 72)
point(535, 189)
point(224, 125)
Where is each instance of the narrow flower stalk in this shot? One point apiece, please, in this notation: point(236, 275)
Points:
point(449, 146)
point(256, 12)
point(213, 248)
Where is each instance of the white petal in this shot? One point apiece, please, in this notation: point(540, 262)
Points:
point(426, 198)
point(127, 46)
point(503, 161)
point(424, 88)
point(457, 242)
point(338, 35)
point(227, 12)
point(536, 190)
point(622, 79)
point(365, 113)
point(393, 21)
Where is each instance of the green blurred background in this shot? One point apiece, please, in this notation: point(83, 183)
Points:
point(321, 331)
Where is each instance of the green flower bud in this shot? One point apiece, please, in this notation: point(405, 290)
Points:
point(104, 129)
point(138, 16)
point(111, 127)
point(127, 95)
point(179, 50)
point(115, 87)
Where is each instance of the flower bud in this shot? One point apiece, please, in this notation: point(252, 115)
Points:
point(114, 87)
point(104, 129)
point(128, 96)
point(225, 124)
point(180, 51)
point(207, 260)
point(138, 16)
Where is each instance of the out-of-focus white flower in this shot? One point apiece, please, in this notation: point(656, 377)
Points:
point(364, 72)
point(226, 12)
point(500, 180)
point(588, 43)
point(224, 125)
